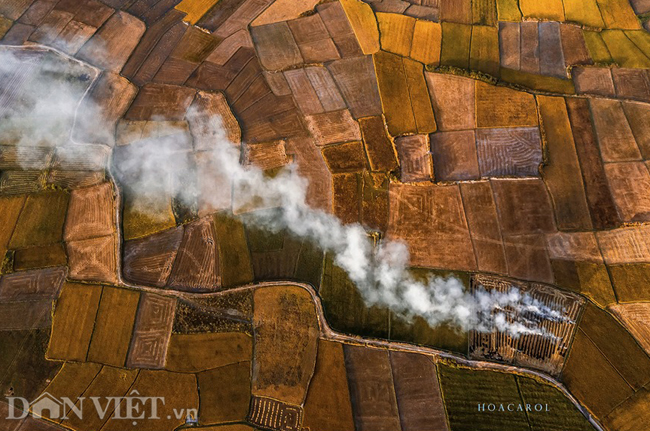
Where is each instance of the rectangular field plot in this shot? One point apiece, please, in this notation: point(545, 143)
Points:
point(74, 318)
point(327, 406)
point(479, 400)
point(371, 389)
point(464, 390)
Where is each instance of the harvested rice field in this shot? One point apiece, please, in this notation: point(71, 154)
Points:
point(341, 215)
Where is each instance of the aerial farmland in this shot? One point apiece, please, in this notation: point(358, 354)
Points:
point(325, 215)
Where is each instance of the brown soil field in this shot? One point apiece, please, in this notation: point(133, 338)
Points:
point(592, 378)
point(109, 382)
point(418, 392)
point(24, 370)
point(234, 256)
point(113, 326)
point(225, 393)
point(191, 353)
point(41, 221)
point(179, 391)
point(40, 257)
point(633, 414)
point(327, 406)
point(12, 206)
point(371, 389)
point(72, 380)
point(629, 281)
point(617, 345)
point(74, 318)
point(284, 321)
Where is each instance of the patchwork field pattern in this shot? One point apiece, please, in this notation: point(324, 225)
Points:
point(503, 141)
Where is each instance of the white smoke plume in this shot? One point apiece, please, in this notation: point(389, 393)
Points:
point(43, 115)
point(40, 94)
point(380, 272)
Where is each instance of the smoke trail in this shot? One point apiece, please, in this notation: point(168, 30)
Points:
point(380, 272)
point(41, 92)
